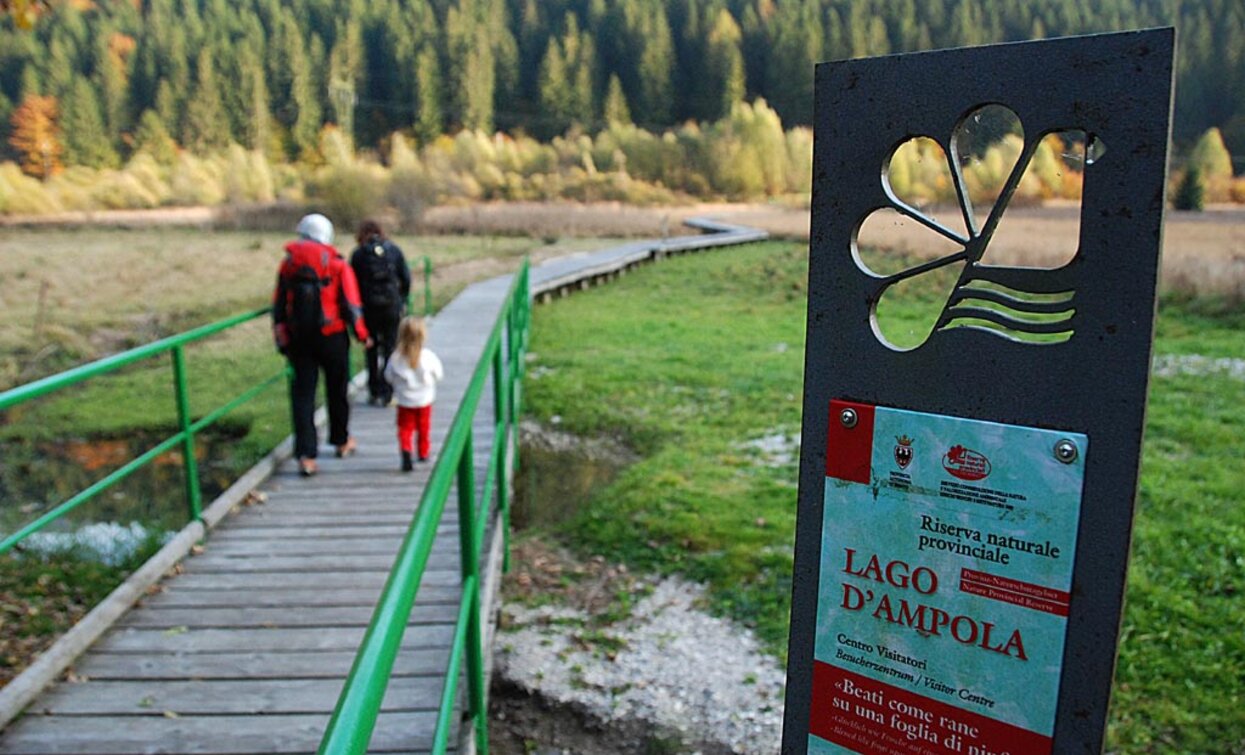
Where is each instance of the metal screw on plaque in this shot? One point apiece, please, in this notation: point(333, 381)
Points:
point(848, 418)
point(1065, 451)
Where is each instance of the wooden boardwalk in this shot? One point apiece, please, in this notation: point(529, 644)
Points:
point(245, 649)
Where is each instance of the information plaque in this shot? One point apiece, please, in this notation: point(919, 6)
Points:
point(957, 538)
point(966, 502)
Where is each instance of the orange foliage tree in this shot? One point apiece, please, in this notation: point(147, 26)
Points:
point(36, 137)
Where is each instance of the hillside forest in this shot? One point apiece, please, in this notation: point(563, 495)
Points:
point(140, 103)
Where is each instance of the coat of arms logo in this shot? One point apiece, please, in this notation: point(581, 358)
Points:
point(903, 451)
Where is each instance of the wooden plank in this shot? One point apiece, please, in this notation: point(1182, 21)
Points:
point(201, 735)
point(335, 506)
point(312, 519)
point(248, 665)
point(269, 617)
point(209, 563)
point(388, 543)
point(282, 599)
point(362, 532)
point(129, 640)
point(281, 580)
point(254, 697)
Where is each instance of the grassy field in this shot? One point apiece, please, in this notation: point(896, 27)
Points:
point(694, 361)
point(72, 295)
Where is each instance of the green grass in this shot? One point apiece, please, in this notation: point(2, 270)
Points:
point(688, 360)
point(38, 604)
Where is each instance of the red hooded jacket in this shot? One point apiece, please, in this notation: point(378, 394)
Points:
point(339, 299)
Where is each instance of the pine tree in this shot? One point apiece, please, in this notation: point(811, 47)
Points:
point(36, 136)
point(257, 124)
point(616, 110)
point(724, 68)
point(153, 137)
point(583, 70)
point(472, 71)
point(206, 127)
point(505, 60)
point(85, 136)
point(429, 122)
point(656, 67)
point(1190, 194)
point(795, 47)
point(345, 62)
point(112, 82)
point(533, 39)
point(697, 96)
point(555, 91)
point(305, 129)
point(59, 69)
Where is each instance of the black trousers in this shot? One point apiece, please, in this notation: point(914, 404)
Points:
point(331, 354)
point(383, 326)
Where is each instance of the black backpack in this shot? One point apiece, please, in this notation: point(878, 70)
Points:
point(305, 310)
point(378, 278)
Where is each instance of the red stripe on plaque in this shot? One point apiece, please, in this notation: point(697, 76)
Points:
point(1014, 591)
point(875, 718)
point(849, 450)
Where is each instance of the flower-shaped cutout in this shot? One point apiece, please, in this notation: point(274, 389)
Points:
point(944, 213)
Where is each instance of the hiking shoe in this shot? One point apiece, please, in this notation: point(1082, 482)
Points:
point(407, 464)
point(347, 449)
point(307, 467)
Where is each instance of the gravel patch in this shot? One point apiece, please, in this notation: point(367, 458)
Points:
point(774, 450)
point(669, 666)
point(1196, 365)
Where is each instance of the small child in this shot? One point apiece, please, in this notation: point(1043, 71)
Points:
point(413, 371)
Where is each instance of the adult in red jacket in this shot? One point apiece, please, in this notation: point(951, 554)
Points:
point(315, 303)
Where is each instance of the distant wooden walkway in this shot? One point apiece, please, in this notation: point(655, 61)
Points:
point(246, 649)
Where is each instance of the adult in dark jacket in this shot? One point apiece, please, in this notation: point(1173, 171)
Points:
point(384, 282)
point(315, 303)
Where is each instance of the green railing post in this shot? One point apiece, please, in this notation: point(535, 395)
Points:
point(194, 496)
point(501, 413)
point(427, 285)
point(469, 549)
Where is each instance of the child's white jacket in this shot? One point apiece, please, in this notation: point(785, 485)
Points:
point(414, 386)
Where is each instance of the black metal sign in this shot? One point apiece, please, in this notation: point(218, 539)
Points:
point(966, 503)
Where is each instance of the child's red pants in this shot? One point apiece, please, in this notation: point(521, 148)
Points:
point(412, 420)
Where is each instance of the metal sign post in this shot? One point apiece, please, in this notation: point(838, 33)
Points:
point(966, 506)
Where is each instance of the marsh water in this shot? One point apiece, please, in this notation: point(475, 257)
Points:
point(559, 472)
point(36, 476)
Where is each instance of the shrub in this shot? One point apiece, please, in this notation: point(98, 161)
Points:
point(120, 190)
point(144, 168)
point(194, 182)
point(1237, 191)
point(1190, 192)
point(22, 195)
point(349, 193)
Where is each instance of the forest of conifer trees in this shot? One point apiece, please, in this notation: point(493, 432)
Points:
point(116, 76)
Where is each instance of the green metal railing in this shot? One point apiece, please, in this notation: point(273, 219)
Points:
point(410, 303)
point(354, 718)
point(187, 427)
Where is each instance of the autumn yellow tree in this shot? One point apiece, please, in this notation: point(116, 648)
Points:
point(36, 136)
point(24, 12)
